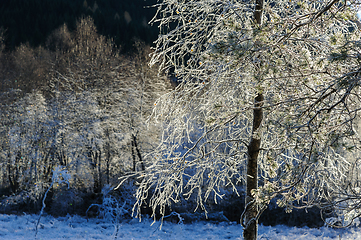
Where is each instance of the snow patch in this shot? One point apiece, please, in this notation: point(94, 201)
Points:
point(76, 227)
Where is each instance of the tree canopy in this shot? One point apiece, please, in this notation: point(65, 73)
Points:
point(269, 98)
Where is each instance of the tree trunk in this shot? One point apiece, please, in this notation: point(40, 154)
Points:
point(136, 147)
point(258, 12)
point(107, 158)
point(138, 153)
point(251, 211)
point(100, 170)
point(107, 161)
point(134, 158)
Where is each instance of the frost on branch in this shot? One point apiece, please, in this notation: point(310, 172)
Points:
point(295, 59)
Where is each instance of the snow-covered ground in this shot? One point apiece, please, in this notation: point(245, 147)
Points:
point(75, 227)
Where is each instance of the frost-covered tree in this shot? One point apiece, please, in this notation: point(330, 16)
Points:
point(27, 165)
point(80, 137)
point(123, 87)
point(344, 194)
point(7, 100)
point(265, 100)
point(84, 56)
point(82, 106)
point(127, 103)
point(30, 67)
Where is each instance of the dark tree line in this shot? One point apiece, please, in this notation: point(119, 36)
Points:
point(33, 20)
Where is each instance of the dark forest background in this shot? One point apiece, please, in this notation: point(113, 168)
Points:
point(31, 21)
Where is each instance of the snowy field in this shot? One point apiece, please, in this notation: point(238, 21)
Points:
point(75, 227)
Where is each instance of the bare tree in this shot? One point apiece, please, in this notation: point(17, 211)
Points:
point(84, 57)
point(31, 68)
point(28, 138)
point(262, 102)
point(128, 102)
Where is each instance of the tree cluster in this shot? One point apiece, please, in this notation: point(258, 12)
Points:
point(78, 104)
